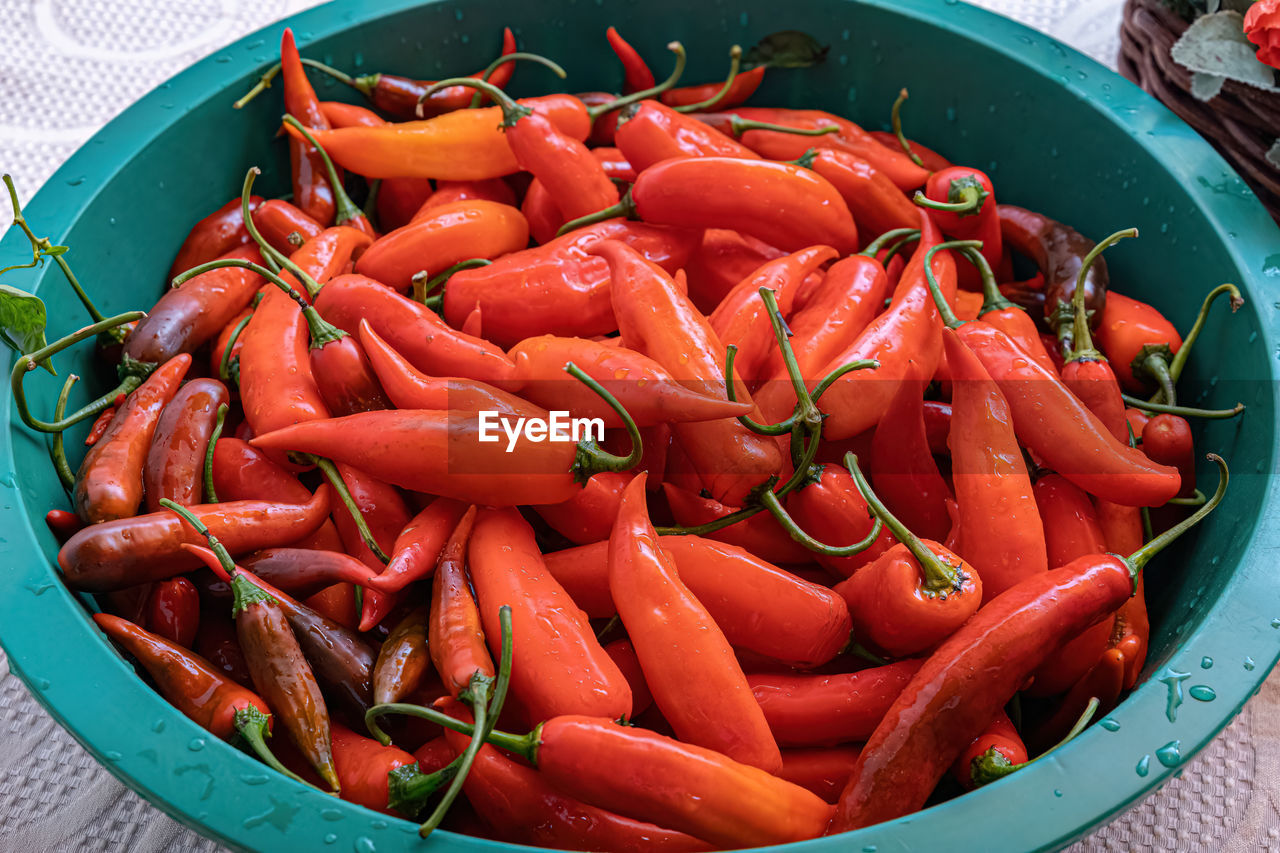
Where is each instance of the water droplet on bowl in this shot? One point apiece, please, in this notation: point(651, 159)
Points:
point(1170, 754)
point(1144, 765)
point(1202, 693)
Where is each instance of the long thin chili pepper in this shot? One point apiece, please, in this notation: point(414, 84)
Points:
point(346, 211)
point(313, 190)
point(180, 443)
point(215, 235)
point(906, 476)
point(588, 516)
point(649, 132)
point(636, 73)
point(303, 572)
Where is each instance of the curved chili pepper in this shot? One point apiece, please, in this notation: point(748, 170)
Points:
point(447, 192)
point(914, 595)
point(658, 320)
point(224, 355)
point(1071, 531)
point(977, 670)
point(277, 221)
point(999, 737)
point(824, 710)
point(559, 288)
point(1058, 251)
point(902, 339)
point(558, 665)
point(776, 145)
point(173, 611)
point(188, 316)
point(903, 469)
point(109, 482)
point(342, 371)
point(452, 233)
point(1103, 682)
point(340, 114)
point(336, 655)
point(824, 771)
point(874, 200)
point(215, 235)
point(649, 132)
point(688, 663)
point(418, 546)
point(192, 686)
point(588, 516)
point(241, 472)
point(312, 190)
point(757, 605)
point(999, 313)
point(362, 765)
point(999, 525)
point(181, 437)
point(649, 393)
point(849, 298)
point(303, 572)
point(282, 675)
point(636, 73)
point(541, 212)
point(741, 319)
point(385, 515)
point(216, 642)
point(1128, 331)
point(714, 96)
point(759, 534)
point(129, 551)
point(787, 205)
point(465, 145)
point(458, 643)
point(833, 509)
point(403, 660)
point(413, 330)
point(1061, 430)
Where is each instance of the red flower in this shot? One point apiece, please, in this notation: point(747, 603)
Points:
point(1262, 26)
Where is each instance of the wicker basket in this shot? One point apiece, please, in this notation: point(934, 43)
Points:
point(1241, 121)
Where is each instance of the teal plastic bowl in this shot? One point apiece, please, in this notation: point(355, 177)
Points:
point(1056, 131)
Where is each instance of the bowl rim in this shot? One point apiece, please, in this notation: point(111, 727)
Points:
point(1049, 806)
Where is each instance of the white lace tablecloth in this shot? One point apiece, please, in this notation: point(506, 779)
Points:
point(67, 67)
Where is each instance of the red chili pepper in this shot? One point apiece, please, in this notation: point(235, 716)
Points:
point(215, 235)
point(1125, 331)
point(723, 259)
point(1132, 635)
point(1167, 439)
point(998, 738)
point(999, 313)
point(615, 164)
point(558, 666)
point(404, 659)
point(824, 771)
point(417, 548)
point(242, 472)
point(447, 192)
point(776, 145)
point(400, 199)
point(624, 655)
point(903, 469)
point(1071, 531)
point(875, 201)
point(649, 393)
point(464, 145)
point(832, 509)
point(744, 85)
point(176, 457)
point(649, 133)
point(130, 551)
point(759, 534)
point(658, 320)
point(63, 524)
point(311, 188)
point(541, 212)
point(636, 73)
point(109, 482)
point(933, 161)
point(413, 330)
point(1103, 682)
point(99, 426)
point(385, 514)
point(303, 572)
point(904, 338)
point(173, 611)
point(341, 368)
point(963, 203)
point(741, 319)
point(588, 516)
point(340, 114)
point(688, 663)
point(230, 336)
point(457, 635)
point(452, 233)
point(277, 220)
point(187, 317)
point(216, 642)
point(560, 288)
point(526, 808)
point(849, 298)
point(999, 524)
point(362, 765)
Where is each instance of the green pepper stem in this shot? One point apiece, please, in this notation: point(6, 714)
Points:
point(774, 506)
point(345, 209)
point(486, 715)
point(618, 103)
point(269, 253)
point(1082, 348)
point(895, 118)
point(874, 247)
point(134, 373)
point(334, 476)
point(739, 125)
point(939, 577)
point(423, 287)
point(992, 765)
point(224, 366)
point(1180, 357)
point(625, 207)
point(57, 450)
point(512, 57)
point(1197, 499)
point(251, 726)
point(210, 494)
point(944, 310)
point(1184, 411)
point(1139, 559)
point(992, 298)
point(780, 428)
point(590, 458)
point(735, 64)
point(224, 557)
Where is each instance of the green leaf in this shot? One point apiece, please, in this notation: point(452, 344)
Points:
point(22, 321)
point(787, 49)
point(1206, 86)
point(1216, 44)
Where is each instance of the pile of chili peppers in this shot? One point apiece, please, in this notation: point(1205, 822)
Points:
point(848, 539)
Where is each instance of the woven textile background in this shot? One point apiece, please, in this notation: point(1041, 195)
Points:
point(69, 66)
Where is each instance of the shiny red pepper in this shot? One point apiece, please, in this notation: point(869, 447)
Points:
point(173, 611)
point(649, 133)
point(903, 469)
point(311, 188)
point(744, 85)
point(1125, 329)
point(760, 534)
point(175, 461)
point(278, 220)
point(720, 262)
point(588, 516)
point(998, 737)
point(824, 710)
point(215, 235)
point(832, 509)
